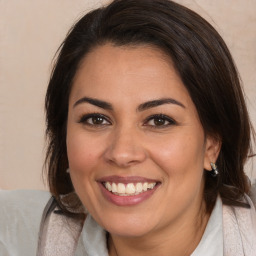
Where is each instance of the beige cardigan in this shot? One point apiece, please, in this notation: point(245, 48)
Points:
point(239, 230)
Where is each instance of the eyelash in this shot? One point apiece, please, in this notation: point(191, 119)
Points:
point(161, 117)
point(84, 120)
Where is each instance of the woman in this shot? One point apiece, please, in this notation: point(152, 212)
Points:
point(148, 135)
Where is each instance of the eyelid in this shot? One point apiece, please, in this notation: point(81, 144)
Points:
point(82, 119)
point(162, 116)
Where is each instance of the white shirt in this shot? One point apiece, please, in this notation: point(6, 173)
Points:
point(93, 237)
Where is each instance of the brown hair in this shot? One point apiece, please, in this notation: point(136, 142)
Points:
point(200, 57)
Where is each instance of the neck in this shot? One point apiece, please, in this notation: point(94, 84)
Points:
point(180, 239)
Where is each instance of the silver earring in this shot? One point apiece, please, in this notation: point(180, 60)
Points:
point(68, 171)
point(214, 172)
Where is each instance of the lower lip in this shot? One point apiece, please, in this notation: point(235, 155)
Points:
point(126, 200)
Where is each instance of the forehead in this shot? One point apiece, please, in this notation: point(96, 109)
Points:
point(114, 71)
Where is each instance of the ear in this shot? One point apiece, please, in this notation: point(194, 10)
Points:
point(212, 150)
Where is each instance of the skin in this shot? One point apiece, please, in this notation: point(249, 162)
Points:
point(126, 143)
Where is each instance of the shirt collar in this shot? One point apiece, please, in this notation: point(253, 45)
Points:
point(94, 242)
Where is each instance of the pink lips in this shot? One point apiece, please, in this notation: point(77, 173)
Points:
point(126, 200)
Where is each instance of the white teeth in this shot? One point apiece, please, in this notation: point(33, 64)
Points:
point(130, 188)
point(145, 186)
point(139, 187)
point(108, 186)
point(122, 189)
point(114, 188)
point(151, 185)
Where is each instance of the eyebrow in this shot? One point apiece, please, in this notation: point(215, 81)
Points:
point(155, 103)
point(95, 102)
point(144, 106)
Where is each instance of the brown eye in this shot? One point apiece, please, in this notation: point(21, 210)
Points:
point(94, 120)
point(159, 121)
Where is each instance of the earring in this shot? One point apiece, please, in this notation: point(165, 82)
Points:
point(68, 171)
point(214, 172)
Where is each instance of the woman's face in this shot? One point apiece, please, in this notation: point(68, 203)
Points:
point(136, 148)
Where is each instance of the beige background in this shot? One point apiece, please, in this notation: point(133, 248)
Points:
point(31, 31)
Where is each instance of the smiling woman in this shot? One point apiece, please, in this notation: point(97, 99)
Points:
point(148, 136)
point(137, 143)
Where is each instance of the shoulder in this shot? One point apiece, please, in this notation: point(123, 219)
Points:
point(239, 229)
point(252, 192)
point(20, 216)
point(22, 203)
point(21, 196)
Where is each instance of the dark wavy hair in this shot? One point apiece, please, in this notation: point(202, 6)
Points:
point(201, 59)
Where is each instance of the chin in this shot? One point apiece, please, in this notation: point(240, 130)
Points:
point(127, 225)
point(129, 230)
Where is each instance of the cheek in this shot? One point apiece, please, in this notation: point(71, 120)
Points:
point(83, 151)
point(181, 158)
point(83, 157)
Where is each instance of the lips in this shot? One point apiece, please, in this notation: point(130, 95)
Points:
point(126, 191)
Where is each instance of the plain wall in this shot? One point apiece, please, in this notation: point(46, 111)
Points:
point(30, 33)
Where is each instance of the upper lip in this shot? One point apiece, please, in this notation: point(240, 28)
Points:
point(125, 180)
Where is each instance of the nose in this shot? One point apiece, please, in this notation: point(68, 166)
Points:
point(125, 148)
